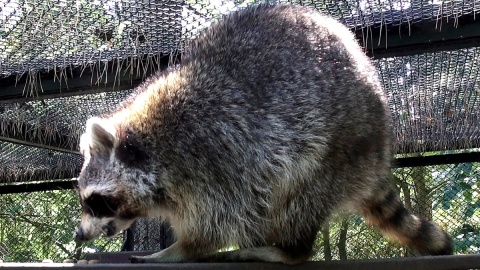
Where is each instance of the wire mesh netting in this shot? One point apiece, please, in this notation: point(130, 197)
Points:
point(446, 194)
point(64, 115)
point(150, 234)
point(41, 35)
point(44, 120)
point(40, 225)
point(434, 99)
point(22, 163)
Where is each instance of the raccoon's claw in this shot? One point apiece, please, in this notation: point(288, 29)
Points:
point(137, 259)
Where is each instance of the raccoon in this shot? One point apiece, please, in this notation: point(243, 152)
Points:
point(274, 120)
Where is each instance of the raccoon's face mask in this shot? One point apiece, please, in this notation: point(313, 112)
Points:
point(102, 215)
point(114, 183)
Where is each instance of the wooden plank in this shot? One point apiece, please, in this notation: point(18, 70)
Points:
point(115, 257)
point(436, 160)
point(35, 187)
point(456, 262)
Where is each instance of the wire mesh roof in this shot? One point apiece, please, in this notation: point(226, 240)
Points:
point(434, 99)
point(46, 119)
point(43, 34)
point(63, 115)
point(22, 163)
point(434, 96)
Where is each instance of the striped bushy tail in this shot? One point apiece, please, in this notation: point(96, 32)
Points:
point(388, 213)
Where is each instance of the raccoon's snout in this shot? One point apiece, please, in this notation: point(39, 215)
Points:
point(80, 236)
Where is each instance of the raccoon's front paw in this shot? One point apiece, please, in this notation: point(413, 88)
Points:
point(137, 259)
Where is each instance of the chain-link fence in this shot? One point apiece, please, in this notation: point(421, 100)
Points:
point(40, 225)
point(150, 234)
point(448, 194)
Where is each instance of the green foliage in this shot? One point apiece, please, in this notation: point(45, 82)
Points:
point(361, 241)
point(40, 225)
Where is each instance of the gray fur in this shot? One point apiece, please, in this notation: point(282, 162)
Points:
point(275, 119)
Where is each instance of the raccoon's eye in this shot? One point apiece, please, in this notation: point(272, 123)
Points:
point(101, 206)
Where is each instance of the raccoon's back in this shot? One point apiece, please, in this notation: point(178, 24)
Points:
point(260, 91)
point(282, 75)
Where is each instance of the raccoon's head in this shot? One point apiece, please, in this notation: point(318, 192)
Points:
point(115, 185)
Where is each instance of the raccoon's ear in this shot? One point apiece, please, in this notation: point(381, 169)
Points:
point(102, 136)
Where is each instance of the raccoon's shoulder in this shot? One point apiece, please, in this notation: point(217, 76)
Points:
point(151, 102)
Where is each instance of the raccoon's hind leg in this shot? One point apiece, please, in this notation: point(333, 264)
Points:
point(254, 254)
point(175, 254)
point(287, 254)
point(386, 212)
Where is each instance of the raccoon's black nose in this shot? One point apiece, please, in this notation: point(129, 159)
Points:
point(80, 236)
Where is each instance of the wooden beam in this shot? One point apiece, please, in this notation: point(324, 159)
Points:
point(35, 187)
point(456, 262)
point(437, 160)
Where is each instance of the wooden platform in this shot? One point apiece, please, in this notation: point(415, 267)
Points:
point(456, 262)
